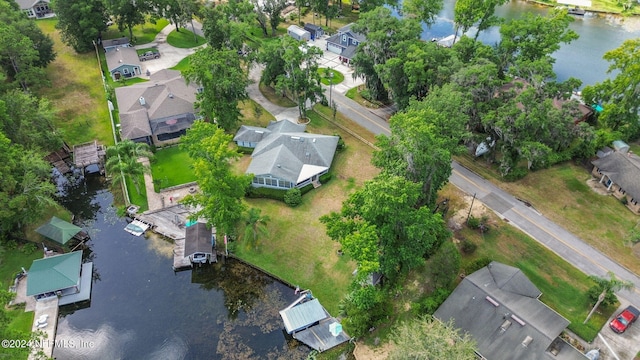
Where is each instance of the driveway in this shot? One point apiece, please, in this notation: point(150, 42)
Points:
point(618, 346)
point(169, 56)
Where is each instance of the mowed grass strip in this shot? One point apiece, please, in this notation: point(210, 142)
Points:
point(563, 195)
point(184, 39)
point(76, 92)
point(170, 167)
point(297, 248)
point(563, 286)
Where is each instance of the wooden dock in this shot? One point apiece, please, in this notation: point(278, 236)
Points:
point(179, 260)
point(169, 221)
point(47, 309)
point(319, 336)
point(89, 154)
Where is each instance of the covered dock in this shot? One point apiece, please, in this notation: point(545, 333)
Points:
point(87, 154)
point(309, 322)
point(199, 242)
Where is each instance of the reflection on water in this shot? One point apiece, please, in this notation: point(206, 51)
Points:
point(141, 309)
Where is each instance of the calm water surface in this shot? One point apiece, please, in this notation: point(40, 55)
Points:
point(581, 58)
point(141, 309)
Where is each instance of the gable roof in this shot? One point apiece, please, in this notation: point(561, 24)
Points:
point(122, 56)
point(312, 27)
point(164, 98)
point(287, 152)
point(623, 169)
point(54, 273)
point(302, 315)
point(28, 4)
point(298, 31)
point(352, 34)
point(115, 42)
point(58, 230)
point(197, 239)
point(499, 297)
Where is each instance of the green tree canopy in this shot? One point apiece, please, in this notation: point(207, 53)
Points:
point(80, 22)
point(122, 161)
point(220, 199)
point(387, 207)
point(224, 82)
point(423, 139)
point(619, 96)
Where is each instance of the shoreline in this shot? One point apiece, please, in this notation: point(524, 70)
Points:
point(588, 9)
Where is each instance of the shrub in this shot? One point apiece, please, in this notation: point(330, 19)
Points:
point(29, 248)
point(468, 247)
point(516, 174)
point(341, 144)
point(444, 265)
point(476, 265)
point(473, 222)
point(245, 150)
point(431, 303)
point(11, 245)
point(268, 193)
point(293, 197)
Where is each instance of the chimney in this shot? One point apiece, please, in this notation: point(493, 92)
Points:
point(142, 102)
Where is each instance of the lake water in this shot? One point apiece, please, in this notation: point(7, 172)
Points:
point(581, 59)
point(141, 309)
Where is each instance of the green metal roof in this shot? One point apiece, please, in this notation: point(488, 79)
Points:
point(58, 230)
point(54, 273)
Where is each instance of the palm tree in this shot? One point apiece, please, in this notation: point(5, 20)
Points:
point(255, 225)
point(605, 290)
point(122, 161)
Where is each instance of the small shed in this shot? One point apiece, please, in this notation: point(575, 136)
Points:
point(298, 33)
point(316, 31)
point(198, 244)
point(58, 230)
point(621, 146)
point(302, 316)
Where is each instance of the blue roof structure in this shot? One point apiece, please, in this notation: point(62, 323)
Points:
point(302, 316)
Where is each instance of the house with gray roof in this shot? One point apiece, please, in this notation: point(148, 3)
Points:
point(113, 44)
point(285, 156)
point(36, 9)
point(345, 42)
point(500, 308)
point(123, 63)
point(619, 171)
point(158, 111)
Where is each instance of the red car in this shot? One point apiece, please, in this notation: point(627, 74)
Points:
point(621, 322)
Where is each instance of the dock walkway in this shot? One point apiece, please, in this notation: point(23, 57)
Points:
point(319, 336)
point(45, 309)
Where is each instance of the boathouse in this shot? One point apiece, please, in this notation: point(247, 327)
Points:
point(198, 244)
point(63, 276)
point(308, 322)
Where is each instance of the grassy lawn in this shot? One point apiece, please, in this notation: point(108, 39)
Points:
point(142, 34)
point(575, 205)
point(338, 77)
point(254, 114)
point(297, 248)
point(562, 285)
point(136, 198)
point(182, 65)
point(171, 167)
point(354, 94)
point(184, 39)
point(76, 93)
point(609, 6)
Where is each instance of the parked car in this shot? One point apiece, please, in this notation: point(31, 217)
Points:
point(623, 320)
point(149, 55)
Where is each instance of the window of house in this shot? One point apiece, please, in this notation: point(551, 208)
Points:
point(344, 38)
point(355, 42)
point(125, 70)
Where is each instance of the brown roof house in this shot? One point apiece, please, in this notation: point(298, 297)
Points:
point(123, 62)
point(159, 111)
point(285, 156)
point(619, 171)
point(499, 307)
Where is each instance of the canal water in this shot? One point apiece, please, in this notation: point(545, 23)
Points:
point(581, 59)
point(141, 309)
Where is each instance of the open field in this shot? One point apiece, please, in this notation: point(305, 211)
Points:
point(76, 92)
point(184, 39)
point(297, 248)
point(600, 220)
point(142, 34)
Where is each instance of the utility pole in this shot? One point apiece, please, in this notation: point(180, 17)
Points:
point(471, 207)
point(330, 85)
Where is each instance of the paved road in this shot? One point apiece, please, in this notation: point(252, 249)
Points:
point(540, 228)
